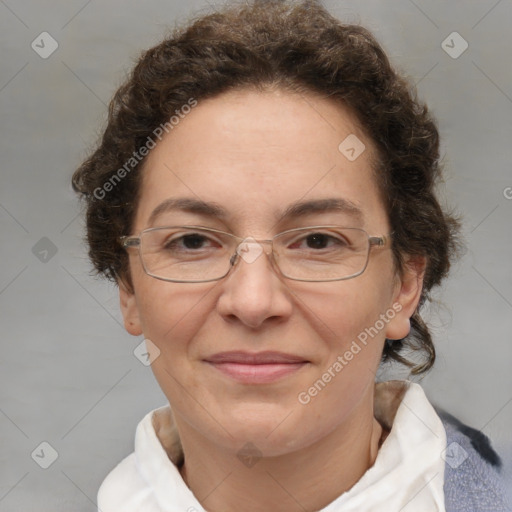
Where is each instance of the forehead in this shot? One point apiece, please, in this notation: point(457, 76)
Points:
point(255, 153)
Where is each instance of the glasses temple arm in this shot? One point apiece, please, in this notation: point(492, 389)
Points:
point(129, 241)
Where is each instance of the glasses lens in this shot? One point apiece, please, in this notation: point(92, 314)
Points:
point(322, 253)
point(189, 254)
point(186, 254)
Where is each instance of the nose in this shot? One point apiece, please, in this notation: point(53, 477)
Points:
point(253, 293)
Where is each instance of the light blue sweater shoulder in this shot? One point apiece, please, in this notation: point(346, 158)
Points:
point(473, 482)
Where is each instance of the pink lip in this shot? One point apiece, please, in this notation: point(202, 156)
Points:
point(256, 368)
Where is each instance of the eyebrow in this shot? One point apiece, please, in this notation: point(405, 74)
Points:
point(294, 210)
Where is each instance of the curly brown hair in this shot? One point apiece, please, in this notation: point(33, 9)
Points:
point(299, 47)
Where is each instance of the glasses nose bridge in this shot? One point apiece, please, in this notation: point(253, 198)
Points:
point(244, 251)
point(240, 241)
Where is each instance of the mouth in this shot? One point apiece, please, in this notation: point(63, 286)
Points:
point(256, 368)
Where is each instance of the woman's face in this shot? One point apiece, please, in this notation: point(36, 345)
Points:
point(255, 154)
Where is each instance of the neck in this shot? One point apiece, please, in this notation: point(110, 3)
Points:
point(304, 480)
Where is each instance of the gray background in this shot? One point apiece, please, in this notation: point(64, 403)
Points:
point(67, 369)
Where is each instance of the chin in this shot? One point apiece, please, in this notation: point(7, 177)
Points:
point(274, 431)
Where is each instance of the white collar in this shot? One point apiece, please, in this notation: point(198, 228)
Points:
point(407, 476)
point(408, 473)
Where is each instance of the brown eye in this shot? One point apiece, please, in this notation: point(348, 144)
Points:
point(319, 241)
point(194, 241)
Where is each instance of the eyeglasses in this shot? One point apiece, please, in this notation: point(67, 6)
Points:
point(195, 254)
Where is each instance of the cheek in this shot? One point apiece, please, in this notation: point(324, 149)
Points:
point(342, 310)
point(352, 334)
point(171, 316)
point(171, 313)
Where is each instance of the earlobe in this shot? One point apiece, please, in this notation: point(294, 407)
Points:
point(406, 297)
point(129, 310)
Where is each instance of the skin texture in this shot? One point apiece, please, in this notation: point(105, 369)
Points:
point(254, 153)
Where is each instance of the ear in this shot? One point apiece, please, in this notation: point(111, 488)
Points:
point(406, 296)
point(129, 310)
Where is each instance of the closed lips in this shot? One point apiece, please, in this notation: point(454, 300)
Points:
point(256, 368)
point(255, 358)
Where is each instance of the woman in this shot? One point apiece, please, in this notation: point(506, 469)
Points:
point(263, 195)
